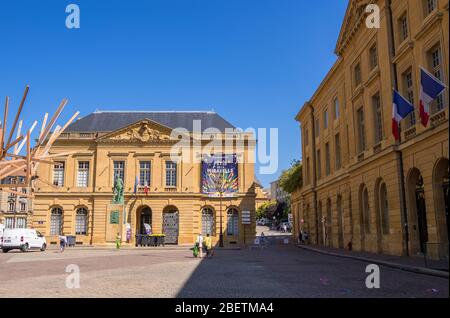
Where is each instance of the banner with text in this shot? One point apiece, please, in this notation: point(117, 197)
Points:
point(220, 175)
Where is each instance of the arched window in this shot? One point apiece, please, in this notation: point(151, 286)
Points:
point(233, 222)
point(56, 221)
point(207, 221)
point(366, 210)
point(81, 221)
point(384, 209)
point(328, 224)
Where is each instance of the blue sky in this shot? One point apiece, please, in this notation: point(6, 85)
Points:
point(255, 62)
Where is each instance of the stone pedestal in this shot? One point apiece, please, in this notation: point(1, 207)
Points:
point(116, 222)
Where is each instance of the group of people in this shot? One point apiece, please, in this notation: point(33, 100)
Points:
point(203, 244)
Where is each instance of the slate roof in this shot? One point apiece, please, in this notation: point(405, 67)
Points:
point(107, 121)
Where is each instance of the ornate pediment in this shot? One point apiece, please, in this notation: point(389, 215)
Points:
point(142, 131)
point(354, 17)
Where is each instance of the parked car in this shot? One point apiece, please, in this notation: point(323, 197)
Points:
point(2, 227)
point(263, 221)
point(23, 239)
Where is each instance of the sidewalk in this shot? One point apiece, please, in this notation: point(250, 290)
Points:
point(414, 264)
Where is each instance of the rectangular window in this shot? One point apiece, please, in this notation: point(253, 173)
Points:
point(83, 174)
point(357, 74)
point(23, 206)
point(119, 170)
point(435, 62)
point(12, 205)
point(408, 90)
point(144, 173)
point(337, 150)
point(377, 116)
point(58, 174)
point(9, 223)
point(336, 108)
point(21, 223)
point(373, 55)
point(319, 165)
point(403, 27)
point(361, 130)
point(171, 174)
point(430, 6)
point(325, 119)
point(327, 158)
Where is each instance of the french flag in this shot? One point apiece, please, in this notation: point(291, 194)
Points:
point(430, 89)
point(401, 107)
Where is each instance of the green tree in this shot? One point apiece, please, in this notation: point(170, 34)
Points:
point(261, 212)
point(291, 178)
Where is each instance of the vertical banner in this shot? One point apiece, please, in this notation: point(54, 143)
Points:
point(220, 175)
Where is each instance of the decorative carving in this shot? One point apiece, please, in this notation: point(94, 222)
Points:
point(354, 17)
point(142, 133)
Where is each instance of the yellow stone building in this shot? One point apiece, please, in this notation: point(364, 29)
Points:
point(74, 197)
point(352, 166)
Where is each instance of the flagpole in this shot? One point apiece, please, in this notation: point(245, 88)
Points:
point(404, 215)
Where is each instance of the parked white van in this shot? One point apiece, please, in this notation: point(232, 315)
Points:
point(2, 227)
point(23, 239)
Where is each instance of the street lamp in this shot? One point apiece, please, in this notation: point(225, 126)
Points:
point(221, 231)
point(220, 189)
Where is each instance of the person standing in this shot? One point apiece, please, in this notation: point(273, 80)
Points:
point(305, 237)
point(62, 243)
point(199, 243)
point(208, 246)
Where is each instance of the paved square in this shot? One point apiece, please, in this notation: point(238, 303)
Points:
point(279, 271)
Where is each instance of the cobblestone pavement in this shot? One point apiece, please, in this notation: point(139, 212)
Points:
point(278, 271)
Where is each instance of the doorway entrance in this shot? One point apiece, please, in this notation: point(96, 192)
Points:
point(144, 219)
point(170, 225)
point(421, 214)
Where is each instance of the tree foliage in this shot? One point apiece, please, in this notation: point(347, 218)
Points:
point(261, 212)
point(291, 178)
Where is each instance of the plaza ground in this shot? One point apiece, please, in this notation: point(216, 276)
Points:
point(278, 271)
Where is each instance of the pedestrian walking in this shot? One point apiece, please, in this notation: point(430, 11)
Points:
point(62, 243)
point(263, 238)
point(300, 237)
point(199, 244)
point(208, 246)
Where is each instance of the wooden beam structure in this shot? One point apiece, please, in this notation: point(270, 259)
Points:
point(13, 164)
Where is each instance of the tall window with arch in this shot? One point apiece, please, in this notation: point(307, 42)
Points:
point(56, 221)
point(366, 210)
point(81, 221)
point(232, 222)
point(207, 221)
point(384, 208)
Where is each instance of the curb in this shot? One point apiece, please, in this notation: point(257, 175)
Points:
point(408, 268)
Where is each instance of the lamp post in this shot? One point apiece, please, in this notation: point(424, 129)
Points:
point(221, 231)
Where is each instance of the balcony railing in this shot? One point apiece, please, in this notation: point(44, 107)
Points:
point(438, 117)
point(410, 132)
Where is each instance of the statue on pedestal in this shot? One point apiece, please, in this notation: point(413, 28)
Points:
point(118, 191)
